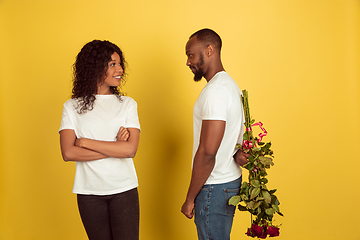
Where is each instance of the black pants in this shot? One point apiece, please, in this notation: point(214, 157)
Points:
point(110, 217)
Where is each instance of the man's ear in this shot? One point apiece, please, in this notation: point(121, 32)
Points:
point(209, 50)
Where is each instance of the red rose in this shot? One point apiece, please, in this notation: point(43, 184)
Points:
point(247, 144)
point(262, 235)
point(272, 231)
point(257, 230)
point(249, 233)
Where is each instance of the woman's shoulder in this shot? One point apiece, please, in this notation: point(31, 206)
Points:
point(127, 99)
point(71, 103)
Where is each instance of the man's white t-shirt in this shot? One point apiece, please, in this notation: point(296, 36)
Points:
point(109, 175)
point(221, 100)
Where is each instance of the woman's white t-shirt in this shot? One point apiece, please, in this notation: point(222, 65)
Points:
point(109, 175)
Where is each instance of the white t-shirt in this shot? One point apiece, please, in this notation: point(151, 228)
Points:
point(109, 175)
point(221, 100)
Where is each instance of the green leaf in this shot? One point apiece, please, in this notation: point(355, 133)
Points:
point(266, 161)
point(250, 204)
point(256, 205)
point(258, 211)
point(267, 145)
point(264, 180)
point(249, 166)
point(242, 208)
point(244, 185)
point(274, 200)
point(267, 196)
point(259, 198)
point(234, 200)
point(254, 192)
point(270, 211)
point(244, 197)
point(272, 191)
point(247, 190)
point(255, 183)
point(280, 214)
point(275, 207)
point(265, 205)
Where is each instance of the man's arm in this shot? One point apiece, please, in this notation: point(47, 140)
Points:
point(212, 132)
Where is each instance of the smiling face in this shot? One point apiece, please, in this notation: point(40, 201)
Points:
point(113, 75)
point(195, 58)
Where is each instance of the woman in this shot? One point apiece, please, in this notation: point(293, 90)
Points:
point(100, 131)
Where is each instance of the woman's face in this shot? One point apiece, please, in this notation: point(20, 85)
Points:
point(113, 73)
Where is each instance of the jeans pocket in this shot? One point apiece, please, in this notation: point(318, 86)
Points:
point(228, 193)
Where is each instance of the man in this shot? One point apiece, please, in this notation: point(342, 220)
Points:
point(218, 125)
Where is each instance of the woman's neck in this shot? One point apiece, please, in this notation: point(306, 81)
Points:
point(103, 91)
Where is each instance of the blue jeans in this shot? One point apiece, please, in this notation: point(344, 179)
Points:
point(213, 215)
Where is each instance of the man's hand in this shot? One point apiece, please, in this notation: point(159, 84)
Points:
point(123, 134)
point(212, 132)
point(188, 209)
point(241, 158)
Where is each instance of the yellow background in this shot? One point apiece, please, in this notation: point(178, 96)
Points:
point(299, 59)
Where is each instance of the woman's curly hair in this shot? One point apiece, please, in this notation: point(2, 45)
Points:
point(89, 70)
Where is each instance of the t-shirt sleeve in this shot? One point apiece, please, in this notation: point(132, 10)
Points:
point(132, 120)
point(65, 121)
point(216, 102)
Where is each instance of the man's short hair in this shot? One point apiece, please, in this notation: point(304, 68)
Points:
point(208, 36)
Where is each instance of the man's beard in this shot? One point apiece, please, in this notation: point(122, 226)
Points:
point(199, 73)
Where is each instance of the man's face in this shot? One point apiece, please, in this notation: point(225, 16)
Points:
point(195, 58)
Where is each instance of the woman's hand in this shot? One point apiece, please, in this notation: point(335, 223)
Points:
point(72, 148)
point(79, 142)
point(123, 134)
point(125, 146)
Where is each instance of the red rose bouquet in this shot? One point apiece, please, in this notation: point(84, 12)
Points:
point(257, 199)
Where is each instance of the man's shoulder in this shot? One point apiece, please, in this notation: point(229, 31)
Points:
point(223, 82)
point(223, 75)
point(222, 79)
